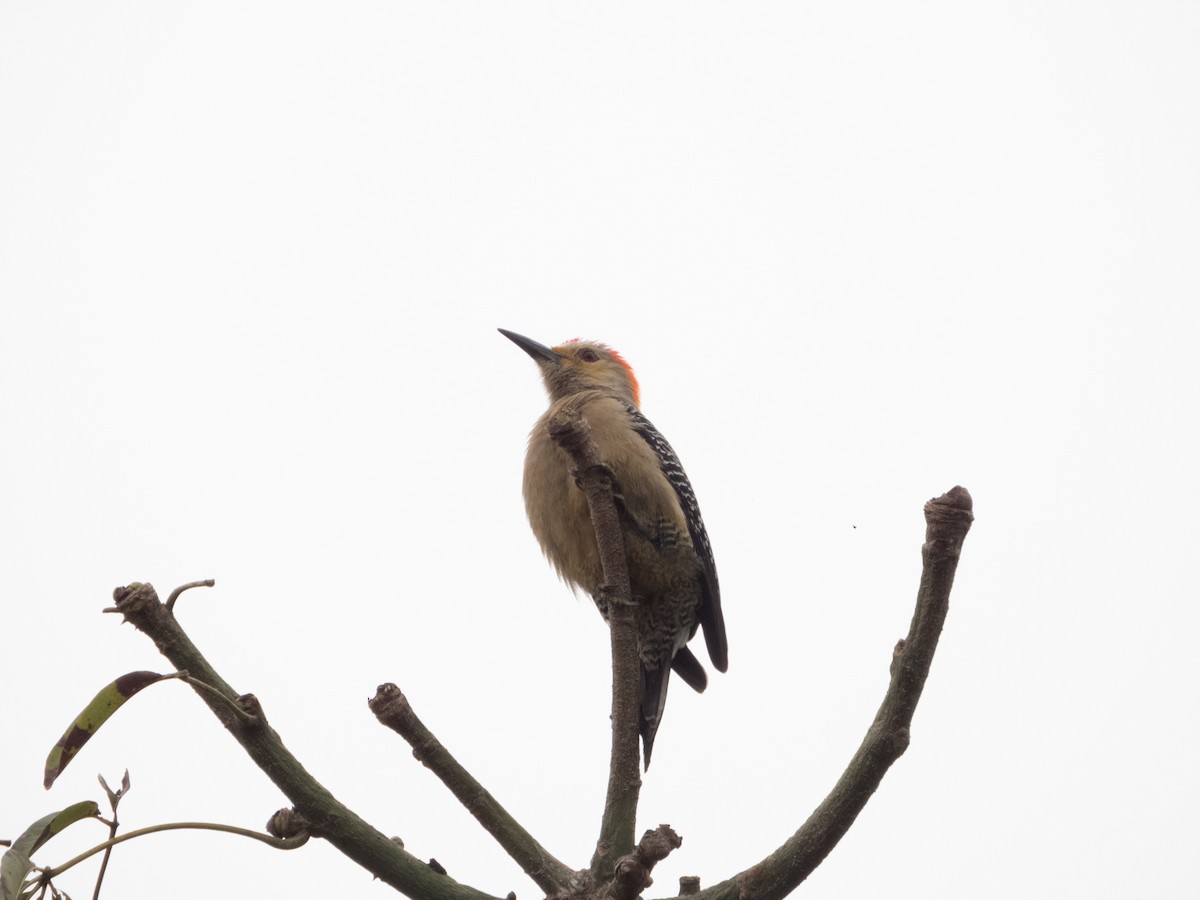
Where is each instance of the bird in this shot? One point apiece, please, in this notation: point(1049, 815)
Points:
point(672, 573)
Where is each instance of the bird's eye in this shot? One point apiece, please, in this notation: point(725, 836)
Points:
point(588, 355)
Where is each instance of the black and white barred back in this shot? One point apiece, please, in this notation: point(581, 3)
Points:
point(708, 610)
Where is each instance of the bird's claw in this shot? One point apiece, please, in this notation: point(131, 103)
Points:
point(606, 595)
point(598, 469)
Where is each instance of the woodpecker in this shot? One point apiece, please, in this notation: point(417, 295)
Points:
point(672, 574)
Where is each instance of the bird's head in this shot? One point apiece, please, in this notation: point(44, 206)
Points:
point(579, 366)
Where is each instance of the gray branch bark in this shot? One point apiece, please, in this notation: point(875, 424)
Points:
point(947, 518)
point(392, 709)
point(326, 816)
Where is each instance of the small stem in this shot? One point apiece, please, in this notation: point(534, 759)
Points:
point(228, 701)
point(279, 843)
point(207, 582)
point(112, 833)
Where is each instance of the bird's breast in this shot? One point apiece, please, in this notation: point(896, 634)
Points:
point(657, 541)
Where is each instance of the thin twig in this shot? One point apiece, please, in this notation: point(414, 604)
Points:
point(392, 709)
point(112, 834)
point(207, 582)
point(230, 703)
point(114, 801)
point(278, 843)
point(571, 432)
point(948, 518)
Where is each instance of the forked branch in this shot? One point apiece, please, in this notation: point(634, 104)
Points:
point(619, 870)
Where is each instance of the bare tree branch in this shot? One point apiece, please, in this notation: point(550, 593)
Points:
point(948, 518)
point(392, 709)
point(571, 432)
point(619, 871)
point(326, 816)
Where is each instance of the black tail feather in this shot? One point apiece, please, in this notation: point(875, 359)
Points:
point(653, 701)
point(688, 668)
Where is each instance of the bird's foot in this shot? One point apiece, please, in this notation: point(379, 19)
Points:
point(600, 470)
point(604, 472)
point(606, 596)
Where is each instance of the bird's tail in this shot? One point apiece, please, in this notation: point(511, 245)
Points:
point(687, 667)
point(653, 701)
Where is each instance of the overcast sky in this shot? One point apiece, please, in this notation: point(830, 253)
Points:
point(252, 261)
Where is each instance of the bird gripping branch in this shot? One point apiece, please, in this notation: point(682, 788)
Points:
point(672, 575)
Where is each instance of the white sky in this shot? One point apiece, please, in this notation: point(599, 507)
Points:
point(252, 260)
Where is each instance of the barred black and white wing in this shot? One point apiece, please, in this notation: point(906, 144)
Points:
point(708, 609)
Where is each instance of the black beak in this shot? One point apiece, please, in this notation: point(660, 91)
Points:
point(539, 352)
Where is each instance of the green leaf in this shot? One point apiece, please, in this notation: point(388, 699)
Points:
point(14, 869)
point(103, 705)
point(48, 826)
point(16, 864)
